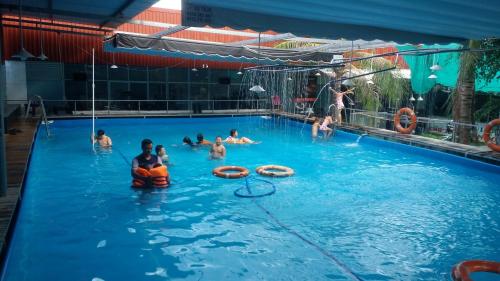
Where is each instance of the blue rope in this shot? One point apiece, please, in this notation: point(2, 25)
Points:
point(237, 192)
point(340, 264)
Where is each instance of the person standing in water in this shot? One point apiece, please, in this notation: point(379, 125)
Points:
point(101, 139)
point(218, 151)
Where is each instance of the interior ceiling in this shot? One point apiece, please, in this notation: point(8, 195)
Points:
point(402, 21)
point(107, 13)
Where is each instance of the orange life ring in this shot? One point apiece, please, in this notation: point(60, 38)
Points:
point(283, 171)
point(461, 271)
point(397, 121)
point(486, 135)
point(221, 172)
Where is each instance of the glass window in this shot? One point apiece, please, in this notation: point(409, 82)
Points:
point(120, 73)
point(177, 91)
point(75, 90)
point(71, 69)
point(138, 73)
point(157, 74)
point(157, 91)
point(199, 92)
point(139, 91)
point(235, 78)
point(217, 74)
point(178, 75)
point(219, 92)
point(200, 76)
point(119, 91)
point(101, 90)
point(100, 72)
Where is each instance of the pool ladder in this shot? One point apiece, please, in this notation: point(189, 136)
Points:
point(44, 113)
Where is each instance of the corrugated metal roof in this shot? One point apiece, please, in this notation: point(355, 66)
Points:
point(403, 21)
point(109, 13)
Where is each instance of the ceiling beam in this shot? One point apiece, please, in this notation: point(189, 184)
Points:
point(117, 13)
point(272, 38)
point(170, 30)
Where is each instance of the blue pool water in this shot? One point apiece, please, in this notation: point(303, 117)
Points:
point(371, 210)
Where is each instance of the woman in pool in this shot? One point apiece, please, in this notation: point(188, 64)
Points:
point(315, 127)
point(233, 138)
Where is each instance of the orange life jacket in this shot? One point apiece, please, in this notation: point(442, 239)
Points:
point(160, 176)
point(141, 178)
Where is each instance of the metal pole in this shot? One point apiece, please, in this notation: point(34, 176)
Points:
point(93, 97)
point(3, 162)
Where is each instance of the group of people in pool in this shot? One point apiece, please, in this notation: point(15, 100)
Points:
point(217, 149)
point(150, 169)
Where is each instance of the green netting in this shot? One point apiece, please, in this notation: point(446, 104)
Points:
point(447, 76)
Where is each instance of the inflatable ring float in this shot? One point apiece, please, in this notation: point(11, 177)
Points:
point(221, 172)
point(486, 135)
point(461, 271)
point(413, 120)
point(274, 171)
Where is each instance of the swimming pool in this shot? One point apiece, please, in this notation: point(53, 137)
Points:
point(371, 210)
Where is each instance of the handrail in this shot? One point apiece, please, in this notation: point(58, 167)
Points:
point(44, 113)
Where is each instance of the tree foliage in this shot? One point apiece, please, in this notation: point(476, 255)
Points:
point(488, 64)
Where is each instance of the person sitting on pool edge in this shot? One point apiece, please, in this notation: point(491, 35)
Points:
point(218, 151)
point(161, 153)
point(147, 169)
point(233, 138)
point(101, 139)
point(201, 140)
point(327, 131)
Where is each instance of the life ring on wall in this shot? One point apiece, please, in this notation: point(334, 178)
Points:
point(413, 120)
point(486, 135)
point(221, 172)
point(282, 171)
point(461, 271)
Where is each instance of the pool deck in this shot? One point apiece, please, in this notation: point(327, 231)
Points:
point(479, 153)
point(18, 148)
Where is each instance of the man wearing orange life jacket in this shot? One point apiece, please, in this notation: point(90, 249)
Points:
point(147, 169)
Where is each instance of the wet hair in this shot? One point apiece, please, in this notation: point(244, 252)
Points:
point(145, 142)
point(199, 137)
point(100, 133)
point(187, 140)
point(158, 148)
point(232, 132)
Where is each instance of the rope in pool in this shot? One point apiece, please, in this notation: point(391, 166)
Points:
point(340, 264)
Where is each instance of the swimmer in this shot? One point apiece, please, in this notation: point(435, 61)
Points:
point(145, 160)
point(315, 127)
point(187, 141)
point(201, 140)
point(161, 153)
point(327, 131)
point(233, 138)
point(218, 151)
point(101, 139)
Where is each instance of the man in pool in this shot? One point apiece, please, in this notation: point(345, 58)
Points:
point(233, 138)
point(101, 139)
point(218, 151)
point(201, 140)
point(146, 160)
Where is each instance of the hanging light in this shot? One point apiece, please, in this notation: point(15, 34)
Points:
point(435, 67)
point(257, 89)
point(239, 73)
point(420, 98)
point(194, 69)
point(432, 76)
point(412, 98)
point(113, 66)
point(23, 54)
point(318, 73)
point(289, 78)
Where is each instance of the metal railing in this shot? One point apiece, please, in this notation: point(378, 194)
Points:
point(141, 107)
point(38, 101)
point(435, 128)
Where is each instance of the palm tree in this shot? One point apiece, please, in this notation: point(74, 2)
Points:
point(463, 102)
